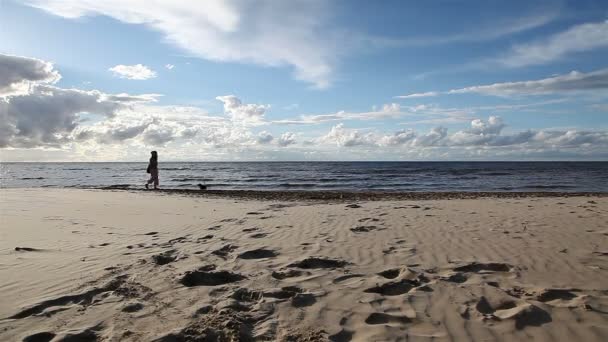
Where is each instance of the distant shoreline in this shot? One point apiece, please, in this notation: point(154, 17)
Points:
point(320, 195)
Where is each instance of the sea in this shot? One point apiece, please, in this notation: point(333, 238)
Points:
point(319, 176)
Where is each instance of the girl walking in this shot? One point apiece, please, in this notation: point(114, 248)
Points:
point(153, 170)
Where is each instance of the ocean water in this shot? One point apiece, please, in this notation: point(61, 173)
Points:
point(350, 176)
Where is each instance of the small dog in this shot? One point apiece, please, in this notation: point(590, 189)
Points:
point(202, 187)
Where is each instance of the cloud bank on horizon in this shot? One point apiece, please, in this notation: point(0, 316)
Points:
point(544, 96)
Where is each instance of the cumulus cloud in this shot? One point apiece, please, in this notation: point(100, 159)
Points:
point(342, 136)
point(433, 138)
point(264, 138)
point(133, 72)
point(268, 33)
point(17, 74)
point(241, 113)
point(41, 114)
point(483, 134)
point(286, 139)
point(158, 136)
point(400, 137)
point(115, 132)
point(47, 115)
point(579, 38)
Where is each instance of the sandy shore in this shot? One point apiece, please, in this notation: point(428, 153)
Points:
point(140, 266)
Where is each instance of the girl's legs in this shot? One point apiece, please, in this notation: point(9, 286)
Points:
point(154, 177)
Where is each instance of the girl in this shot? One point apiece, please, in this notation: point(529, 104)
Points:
point(153, 170)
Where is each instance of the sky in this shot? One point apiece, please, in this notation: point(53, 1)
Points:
point(236, 80)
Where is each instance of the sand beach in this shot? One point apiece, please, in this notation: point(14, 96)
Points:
point(118, 265)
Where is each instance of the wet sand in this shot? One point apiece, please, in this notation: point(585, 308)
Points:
point(287, 266)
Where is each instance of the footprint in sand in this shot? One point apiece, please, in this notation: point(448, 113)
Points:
point(503, 309)
point(209, 278)
point(204, 238)
point(565, 298)
point(382, 318)
point(132, 307)
point(224, 251)
point(394, 288)
point(318, 262)
point(28, 249)
point(118, 286)
point(280, 275)
point(301, 300)
point(260, 253)
point(370, 219)
point(44, 336)
point(406, 281)
point(85, 334)
point(365, 229)
point(460, 274)
point(164, 257)
point(258, 235)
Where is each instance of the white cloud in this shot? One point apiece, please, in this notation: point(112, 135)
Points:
point(398, 138)
point(264, 138)
point(169, 66)
point(483, 134)
point(133, 72)
point(418, 95)
point(286, 139)
point(574, 81)
point(390, 110)
point(341, 136)
point(579, 38)
point(268, 33)
point(241, 113)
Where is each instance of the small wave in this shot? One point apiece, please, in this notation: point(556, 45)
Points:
point(467, 178)
point(31, 178)
point(496, 174)
point(196, 179)
point(296, 185)
point(558, 186)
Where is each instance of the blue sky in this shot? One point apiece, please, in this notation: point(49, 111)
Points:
point(275, 80)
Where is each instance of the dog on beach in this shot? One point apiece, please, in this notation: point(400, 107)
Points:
point(202, 186)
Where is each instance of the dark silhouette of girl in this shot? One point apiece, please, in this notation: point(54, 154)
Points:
point(153, 170)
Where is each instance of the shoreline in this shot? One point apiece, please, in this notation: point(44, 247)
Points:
point(339, 196)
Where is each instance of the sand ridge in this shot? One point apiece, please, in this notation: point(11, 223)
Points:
point(132, 266)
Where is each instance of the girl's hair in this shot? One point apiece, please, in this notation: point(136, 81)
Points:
point(154, 153)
